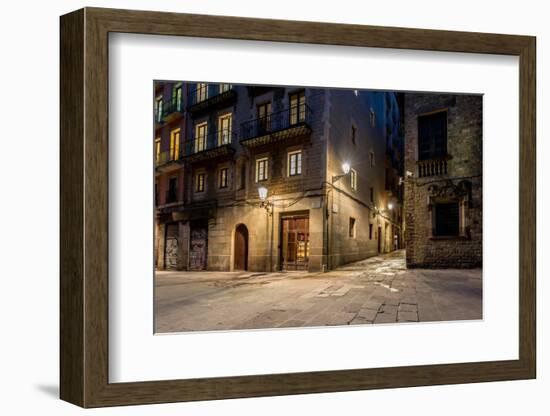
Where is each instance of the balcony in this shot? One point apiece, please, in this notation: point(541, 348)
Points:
point(214, 145)
point(208, 97)
point(256, 90)
point(159, 118)
point(172, 110)
point(433, 167)
point(171, 196)
point(290, 123)
point(167, 162)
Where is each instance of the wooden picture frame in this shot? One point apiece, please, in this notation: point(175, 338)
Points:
point(84, 207)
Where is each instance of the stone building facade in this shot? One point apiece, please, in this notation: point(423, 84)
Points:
point(293, 143)
point(443, 185)
point(170, 120)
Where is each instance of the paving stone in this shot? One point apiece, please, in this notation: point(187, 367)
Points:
point(409, 299)
point(329, 318)
point(428, 314)
point(292, 323)
point(199, 301)
point(269, 319)
point(392, 300)
point(367, 314)
point(385, 318)
point(388, 309)
point(371, 305)
point(360, 321)
point(407, 307)
point(311, 311)
point(407, 316)
point(353, 307)
point(341, 318)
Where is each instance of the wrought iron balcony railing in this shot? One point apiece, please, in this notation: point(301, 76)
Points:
point(291, 122)
point(171, 196)
point(164, 159)
point(433, 167)
point(172, 109)
point(206, 96)
point(214, 144)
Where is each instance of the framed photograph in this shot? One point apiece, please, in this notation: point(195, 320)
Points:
point(255, 207)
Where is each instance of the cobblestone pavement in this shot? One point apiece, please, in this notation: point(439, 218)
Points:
point(373, 291)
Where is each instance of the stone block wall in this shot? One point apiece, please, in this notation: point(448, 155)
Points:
point(464, 147)
point(264, 235)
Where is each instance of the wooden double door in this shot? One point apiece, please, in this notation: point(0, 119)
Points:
point(295, 242)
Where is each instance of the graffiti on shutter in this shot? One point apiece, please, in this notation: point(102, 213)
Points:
point(171, 246)
point(197, 254)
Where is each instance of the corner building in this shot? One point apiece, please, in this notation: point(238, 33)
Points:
point(293, 142)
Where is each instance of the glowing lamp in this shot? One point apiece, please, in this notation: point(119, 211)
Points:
point(346, 168)
point(262, 192)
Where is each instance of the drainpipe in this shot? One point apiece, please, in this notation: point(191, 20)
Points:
point(272, 236)
point(326, 216)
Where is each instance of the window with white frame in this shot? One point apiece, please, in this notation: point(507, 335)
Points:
point(201, 93)
point(224, 87)
point(222, 181)
point(177, 99)
point(353, 179)
point(199, 182)
point(201, 131)
point(261, 169)
point(158, 109)
point(224, 129)
point(157, 149)
point(294, 163)
point(297, 107)
point(175, 144)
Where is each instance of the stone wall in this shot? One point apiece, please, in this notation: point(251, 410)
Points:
point(264, 235)
point(344, 201)
point(464, 147)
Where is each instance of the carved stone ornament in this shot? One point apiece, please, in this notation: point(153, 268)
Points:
point(449, 191)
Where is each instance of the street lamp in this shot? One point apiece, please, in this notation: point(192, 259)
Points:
point(262, 192)
point(264, 203)
point(346, 168)
point(390, 206)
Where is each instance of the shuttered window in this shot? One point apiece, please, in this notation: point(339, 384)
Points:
point(432, 136)
point(446, 219)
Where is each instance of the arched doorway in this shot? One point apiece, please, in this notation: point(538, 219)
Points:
point(241, 248)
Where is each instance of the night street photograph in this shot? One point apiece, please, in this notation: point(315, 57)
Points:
point(292, 206)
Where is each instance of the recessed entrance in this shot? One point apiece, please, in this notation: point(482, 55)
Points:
point(241, 248)
point(295, 242)
point(198, 247)
point(171, 247)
